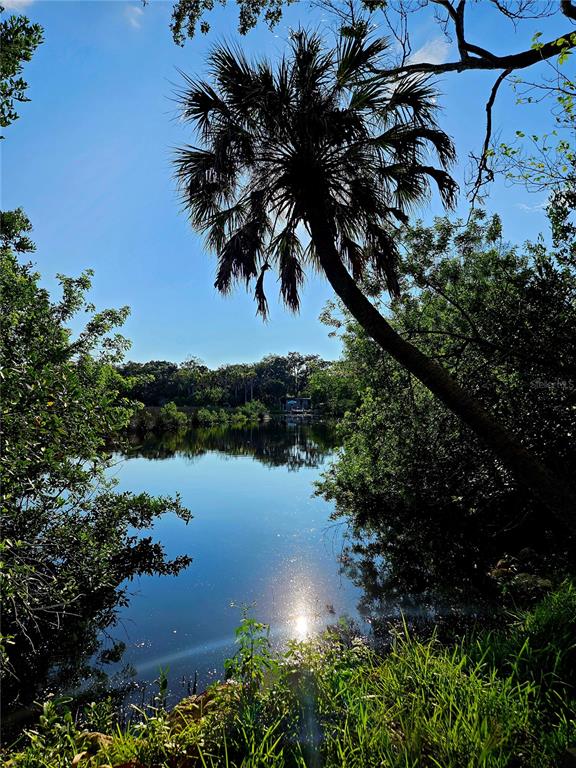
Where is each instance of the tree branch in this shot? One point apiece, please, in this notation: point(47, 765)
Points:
point(487, 61)
point(483, 59)
point(483, 161)
point(568, 9)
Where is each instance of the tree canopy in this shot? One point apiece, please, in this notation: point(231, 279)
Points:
point(194, 384)
point(19, 38)
point(410, 476)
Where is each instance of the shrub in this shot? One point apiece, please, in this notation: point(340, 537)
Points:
point(171, 419)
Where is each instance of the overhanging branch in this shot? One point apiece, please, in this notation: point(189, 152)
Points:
point(475, 57)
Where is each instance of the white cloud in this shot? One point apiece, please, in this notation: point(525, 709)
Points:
point(133, 14)
point(541, 206)
point(433, 52)
point(16, 5)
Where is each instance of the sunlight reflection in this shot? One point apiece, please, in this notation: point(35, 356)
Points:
point(300, 598)
point(302, 627)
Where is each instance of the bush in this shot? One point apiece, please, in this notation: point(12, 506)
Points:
point(254, 410)
point(333, 701)
point(170, 419)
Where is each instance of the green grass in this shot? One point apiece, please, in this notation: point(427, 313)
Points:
point(500, 699)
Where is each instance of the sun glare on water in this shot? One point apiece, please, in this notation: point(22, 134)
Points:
point(302, 627)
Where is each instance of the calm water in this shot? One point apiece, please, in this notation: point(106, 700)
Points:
point(259, 538)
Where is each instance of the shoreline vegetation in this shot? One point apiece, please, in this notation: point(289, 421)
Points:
point(455, 395)
point(171, 418)
point(213, 395)
point(495, 698)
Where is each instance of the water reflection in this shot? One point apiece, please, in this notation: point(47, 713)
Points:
point(301, 627)
point(421, 576)
point(259, 538)
point(289, 443)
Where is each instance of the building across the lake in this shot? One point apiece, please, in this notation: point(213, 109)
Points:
point(297, 404)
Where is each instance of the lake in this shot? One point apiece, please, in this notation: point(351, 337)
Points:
point(260, 540)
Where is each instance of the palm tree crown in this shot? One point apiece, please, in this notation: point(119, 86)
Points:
point(318, 135)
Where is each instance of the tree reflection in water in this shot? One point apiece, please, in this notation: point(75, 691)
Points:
point(290, 443)
point(404, 568)
point(440, 577)
point(409, 587)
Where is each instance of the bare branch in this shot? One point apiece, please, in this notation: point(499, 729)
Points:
point(525, 9)
point(475, 57)
point(485, 174)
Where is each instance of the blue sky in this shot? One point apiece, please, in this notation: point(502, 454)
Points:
point(90, 162)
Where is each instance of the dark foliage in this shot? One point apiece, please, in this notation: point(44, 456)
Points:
point(69, 542)
point(438, 514)
point(315, 135)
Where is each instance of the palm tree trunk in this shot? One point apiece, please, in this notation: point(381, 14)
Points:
point(528, 469)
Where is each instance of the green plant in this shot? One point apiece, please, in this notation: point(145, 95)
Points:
point(410, 476)
point(19, 38)
point(253, 657)
point(171, 419)
point(538, 645)
point(333, 701)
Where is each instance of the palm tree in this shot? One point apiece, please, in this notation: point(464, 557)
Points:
point(315, 162)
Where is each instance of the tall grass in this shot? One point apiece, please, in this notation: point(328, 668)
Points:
point(501, 699)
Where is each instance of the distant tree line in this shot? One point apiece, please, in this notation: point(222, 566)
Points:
point(269, 381)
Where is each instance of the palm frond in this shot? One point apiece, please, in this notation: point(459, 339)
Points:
point(203, 185)
point(415, 138)
point(238, 259)
point(354, 256)
point(287, 250)
point(447, 186)
point(310, 256)
point(367, 96)
point(259, 293)
point(238, 82)
point(199, 102)
point(222, 224)
point(357, 57)
point(384, 257)
point(398, 213)
point(414, 98)
point(310, 65)
point(410, 190)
